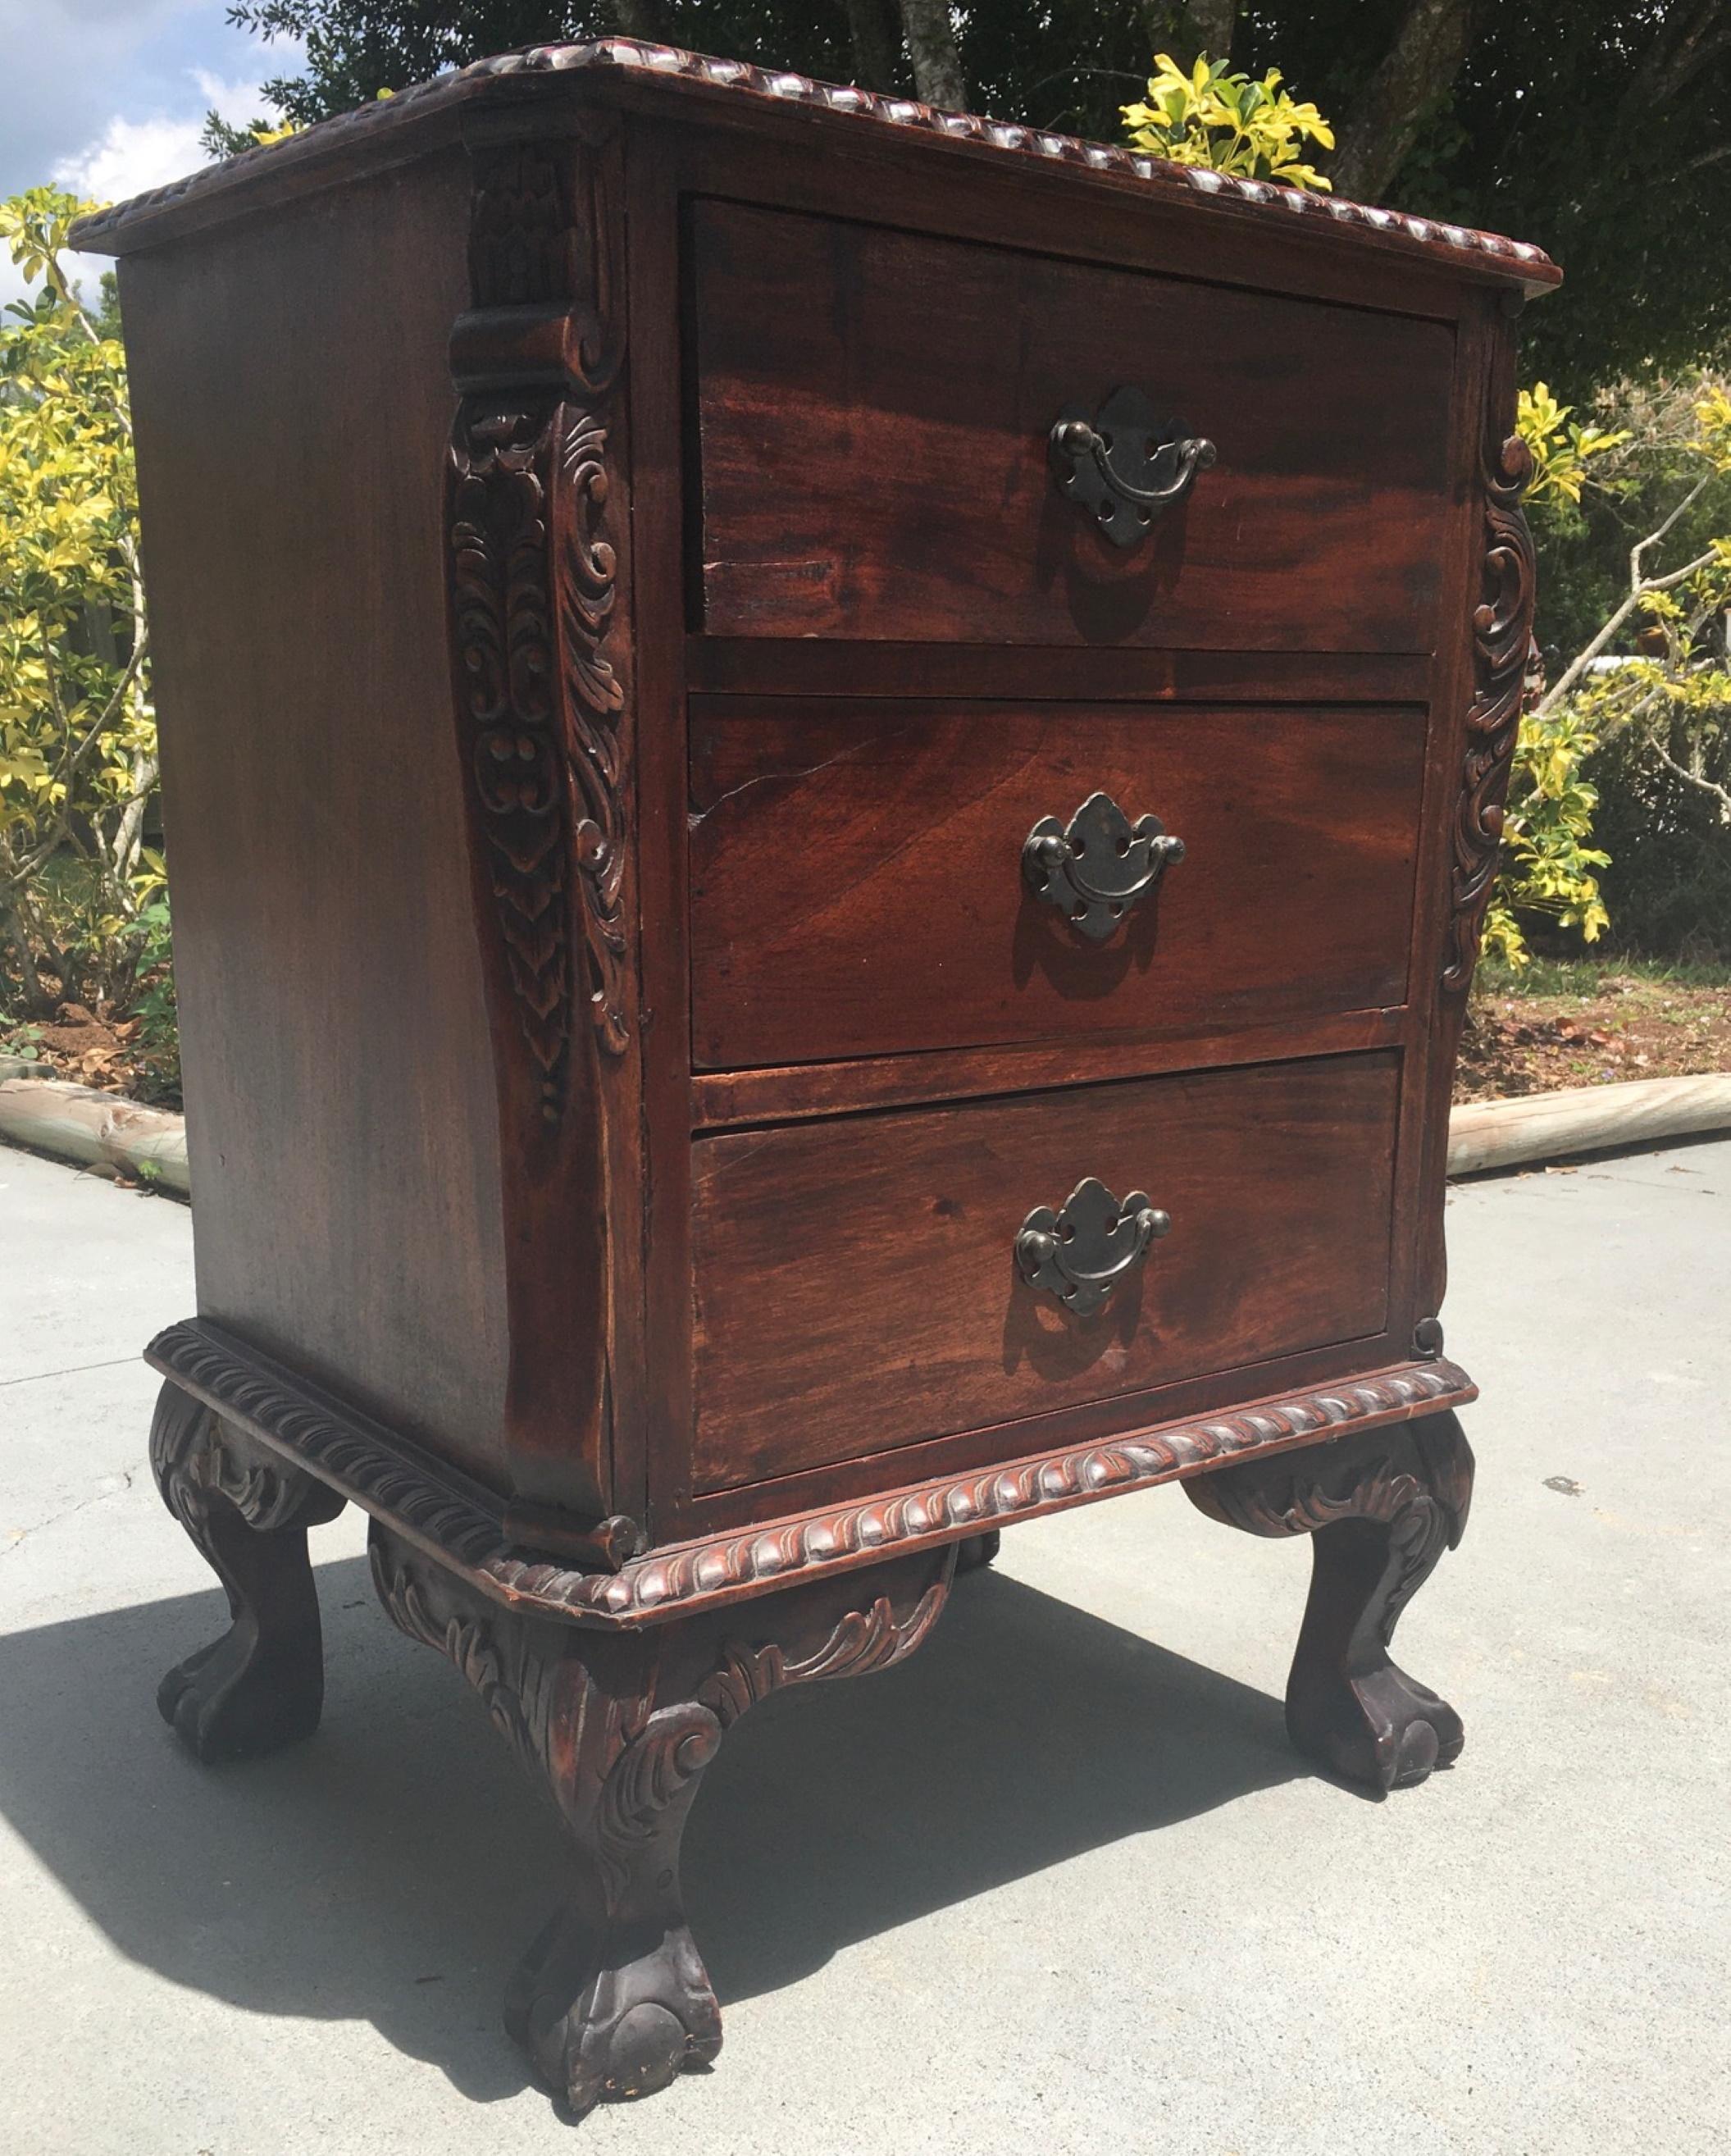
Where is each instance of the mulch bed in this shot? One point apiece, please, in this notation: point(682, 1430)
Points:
point(1630, 1027)
point(93, 1051)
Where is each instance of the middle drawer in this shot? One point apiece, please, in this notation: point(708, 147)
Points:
point(858, 886)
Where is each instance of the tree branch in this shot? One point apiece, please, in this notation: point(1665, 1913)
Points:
point(1646, 545)
point(1720, 793)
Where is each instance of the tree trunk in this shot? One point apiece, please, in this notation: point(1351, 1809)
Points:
point(932, 47)
point(1416, 74)
point(875, 28)
point(1212, 23)
point(648, 20)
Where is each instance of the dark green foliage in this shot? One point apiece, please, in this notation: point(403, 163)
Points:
point(1668, 887)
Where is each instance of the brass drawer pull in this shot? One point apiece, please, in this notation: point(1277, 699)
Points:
point(1081, 1252)
point(1095, 868)
point(1126, 464)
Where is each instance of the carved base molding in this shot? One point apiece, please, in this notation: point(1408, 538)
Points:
point(438, 1509)
point(617, 1724)
point(611, 2000)
point(1382, 1508)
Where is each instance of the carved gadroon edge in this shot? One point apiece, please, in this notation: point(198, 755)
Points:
point(1502, 635)
point(541, 709)
point(676, 67)
point(441, 1510)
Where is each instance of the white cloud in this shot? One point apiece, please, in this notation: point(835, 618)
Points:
point(132, 155)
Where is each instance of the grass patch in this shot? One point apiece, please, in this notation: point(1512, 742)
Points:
point(1587, 976)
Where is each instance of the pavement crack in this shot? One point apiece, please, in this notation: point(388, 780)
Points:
point(19, 1535)
point(73, 1370)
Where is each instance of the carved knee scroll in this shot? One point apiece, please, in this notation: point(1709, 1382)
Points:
point(1382, 1508)
point(262, 1685)
point(611, 2000)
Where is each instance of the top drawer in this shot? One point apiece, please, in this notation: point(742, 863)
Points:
point(874, 409)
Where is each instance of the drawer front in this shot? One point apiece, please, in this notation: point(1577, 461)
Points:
point(858, 884)
point(857, 1288)
point(874, 409)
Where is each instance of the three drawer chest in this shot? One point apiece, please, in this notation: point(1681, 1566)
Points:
point(830, 772)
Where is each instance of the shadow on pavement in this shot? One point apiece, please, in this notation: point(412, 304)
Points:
point(392, 1869)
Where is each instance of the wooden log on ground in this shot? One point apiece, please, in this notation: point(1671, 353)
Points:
point(79, 1123)
point(1486, 1134)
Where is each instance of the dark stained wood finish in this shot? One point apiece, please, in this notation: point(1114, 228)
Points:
point(610, 600)
point(247, 1508)
point(822, 666)
point(334, 1036)
point(1381, 1508)
point(857, 885)
point(539, 568)
point(611, 2000)
point(771, 104)
point(873, 410)
point(856, 1287)
point(458, 1524)
point(790, 1092)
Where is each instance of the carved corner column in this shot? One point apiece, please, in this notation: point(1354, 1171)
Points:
point(611, 2000)
point(1381, 1509)
point(262, 1685)
point(537, 561)
point(1501, 624)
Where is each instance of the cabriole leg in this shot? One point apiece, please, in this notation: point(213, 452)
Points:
point(1380, 1509)
point(611, 2000)
point(262, 1685)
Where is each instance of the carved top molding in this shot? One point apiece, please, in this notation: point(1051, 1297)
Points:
point(443, 1511)
point(126, 223)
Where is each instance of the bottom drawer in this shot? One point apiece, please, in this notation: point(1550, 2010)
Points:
point(856, 1283)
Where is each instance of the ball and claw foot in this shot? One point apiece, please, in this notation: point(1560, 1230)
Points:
point(1382, 1731)
point(235, 1699)
point(620, 2033)
point(1380, 1509)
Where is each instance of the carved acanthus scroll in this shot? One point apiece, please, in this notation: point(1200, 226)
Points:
point(1502, 635)
point(542, 710)
point(613, 1999)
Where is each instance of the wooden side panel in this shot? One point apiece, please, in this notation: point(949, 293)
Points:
point(856, 1287)
point(874, 409)
point(293, 409)
point(857, 884)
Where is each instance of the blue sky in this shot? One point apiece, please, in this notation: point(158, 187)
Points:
point(106, 97)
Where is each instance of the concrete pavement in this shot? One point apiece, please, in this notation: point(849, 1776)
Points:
point(1057, 1881)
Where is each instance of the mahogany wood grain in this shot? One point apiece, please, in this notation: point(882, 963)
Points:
point(856, 1282)
point(826, 666)
point(672, 1377)
point(857, 885)
point(789, 1092)
point(873, 410)
point(334, 1035)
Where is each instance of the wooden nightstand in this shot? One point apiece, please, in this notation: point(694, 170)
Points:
point(923, 992)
